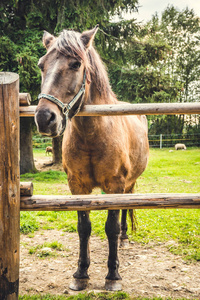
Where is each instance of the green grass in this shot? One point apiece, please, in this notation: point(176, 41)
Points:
point(48, 182)
point(181, 226)
point(92, 296)
point(84, 296)
point(38, 152)
point(47, 176)
point(47, 249)
point(28, 222)
point(167, 172)
point(170, 172)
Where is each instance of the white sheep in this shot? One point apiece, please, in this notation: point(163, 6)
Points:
point(180, 147)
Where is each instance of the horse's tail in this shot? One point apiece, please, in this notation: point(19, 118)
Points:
point(133, 217)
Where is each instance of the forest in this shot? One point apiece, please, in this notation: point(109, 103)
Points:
point(154, 62)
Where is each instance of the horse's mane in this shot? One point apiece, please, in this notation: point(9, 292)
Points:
point(69, 43)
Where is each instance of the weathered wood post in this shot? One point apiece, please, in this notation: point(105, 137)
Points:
point(9, 186)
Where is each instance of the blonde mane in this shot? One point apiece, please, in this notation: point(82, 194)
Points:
point(69, 43)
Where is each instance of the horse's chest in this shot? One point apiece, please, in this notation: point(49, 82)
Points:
point(89, 160)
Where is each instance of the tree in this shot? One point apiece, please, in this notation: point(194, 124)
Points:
point(57, 146)
point(181, 31)
point(145, 63)
point(135, 58)
point(21, 26)
point(26, 153)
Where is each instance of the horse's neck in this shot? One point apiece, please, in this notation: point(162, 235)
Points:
point(94, 97)
point(86, 126)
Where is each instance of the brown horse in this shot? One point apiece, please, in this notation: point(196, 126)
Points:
point(109, 152)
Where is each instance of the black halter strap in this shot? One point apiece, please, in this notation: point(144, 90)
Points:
point(67, 108)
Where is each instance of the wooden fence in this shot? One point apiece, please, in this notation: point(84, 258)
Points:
point(10, 188)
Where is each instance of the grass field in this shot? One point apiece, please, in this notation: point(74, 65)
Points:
point(167, 172)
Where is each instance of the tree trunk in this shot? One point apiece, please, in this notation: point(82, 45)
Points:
point(57, 150)
point(26, 149)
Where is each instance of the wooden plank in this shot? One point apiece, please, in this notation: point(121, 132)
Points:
point(109, 201)
point(24, 99)
point(141, 109)
point(129, 109)
point(26, 188)
point(9, 186)
point(27, 111)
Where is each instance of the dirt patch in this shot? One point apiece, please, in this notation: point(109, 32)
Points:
point(147, 271)
point(44, 163)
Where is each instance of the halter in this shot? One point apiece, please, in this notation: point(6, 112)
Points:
point(66, 108)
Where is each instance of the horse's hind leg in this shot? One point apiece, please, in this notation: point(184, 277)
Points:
point(112, 230)
point(123, 236)
point(81, 277)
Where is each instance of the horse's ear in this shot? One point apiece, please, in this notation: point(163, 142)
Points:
point(88, 36)
point(47, 39)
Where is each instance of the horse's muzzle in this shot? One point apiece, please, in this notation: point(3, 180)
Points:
point(46, 121)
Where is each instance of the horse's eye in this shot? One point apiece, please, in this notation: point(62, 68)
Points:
point(75, 65)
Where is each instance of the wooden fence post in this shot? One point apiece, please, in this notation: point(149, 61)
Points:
point(9, 186)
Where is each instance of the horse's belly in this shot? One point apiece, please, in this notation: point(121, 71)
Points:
point(118, 173)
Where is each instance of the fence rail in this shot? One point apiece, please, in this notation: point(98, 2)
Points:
point(128, 109)
point(109, 202)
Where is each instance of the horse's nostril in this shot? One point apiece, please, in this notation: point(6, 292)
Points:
point(52, 118)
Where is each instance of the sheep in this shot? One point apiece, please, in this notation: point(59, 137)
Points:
point(180, 147)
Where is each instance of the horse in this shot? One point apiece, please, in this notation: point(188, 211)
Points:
point(49, 149)
point(109, 152)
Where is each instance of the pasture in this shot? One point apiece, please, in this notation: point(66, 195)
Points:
point(176, 231)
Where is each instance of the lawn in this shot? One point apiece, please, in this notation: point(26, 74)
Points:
point(170, 172)
point(167, 172)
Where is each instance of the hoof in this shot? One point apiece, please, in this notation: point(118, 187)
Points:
point(113, 285)
point(79, 284)
point(124, 243)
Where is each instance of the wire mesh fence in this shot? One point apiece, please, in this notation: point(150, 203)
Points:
point(155, 141)
point(170, 140)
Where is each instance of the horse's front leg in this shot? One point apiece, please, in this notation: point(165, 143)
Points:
point(112, 230)
point(81, 278)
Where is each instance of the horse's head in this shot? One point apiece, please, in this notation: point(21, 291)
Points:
point(64, 71)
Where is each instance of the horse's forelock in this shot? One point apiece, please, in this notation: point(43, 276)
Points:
point(69, 43)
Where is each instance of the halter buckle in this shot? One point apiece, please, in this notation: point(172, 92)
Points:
point(65, 109)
